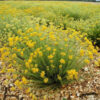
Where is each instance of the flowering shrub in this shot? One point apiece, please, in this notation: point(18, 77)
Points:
point(10, 25)
point(84, 17)
point(47, 55)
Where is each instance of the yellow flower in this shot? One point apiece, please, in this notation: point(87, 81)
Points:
point(39, 34)
point(45, 80)
point(12, 89)
point(48, 48)
point(52, 37)
point(44, 97)
point(11, 70)
point(63, 54)
point(21, 53)
point(26, 71)
point(99, 60)
point(54, 50)
point(70, 56)
point(60, 66)
point(19, 31)
point(59, 77)
point(29, 30)
point(30, 44)
point(36, 65)
point(43, 38)
point(65, 39)
point(37, 27)
point(62, 61)
point(7, 25)
point(28, 90)
point(50, 56)
point(27, 64)
point(44, 28)
point(51, 61)
point(29, 60)
point(95, 51)
point(70, 36)
point(90, 54)
point(14, 55)
point(17, 83)
point(11, 41)
point(66, 45)
point(24, 80)
point(40, 53)
point(82, 52)
point(35, 70)
point(52, 66)
point(72, 74)
point(14, 76)
point(96, 63)
point(34, 97)
point(87, 61)
point(42, 74)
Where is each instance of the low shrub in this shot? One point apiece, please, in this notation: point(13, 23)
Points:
point(47, 56)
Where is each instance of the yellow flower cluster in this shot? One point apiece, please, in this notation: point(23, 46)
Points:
point(45, 54)
point(97, 62)
point(62, 61)
point(72, 74)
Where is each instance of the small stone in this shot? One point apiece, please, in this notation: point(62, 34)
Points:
point(78, 94)
point(20, 96)
point(72, 97)
point(86, 69)
point(11, 85)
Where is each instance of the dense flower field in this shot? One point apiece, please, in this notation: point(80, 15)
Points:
point(44, 44)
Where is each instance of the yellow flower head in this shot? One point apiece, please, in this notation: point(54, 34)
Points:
point(28, 90)
point(72, 74)
point(45, 80)
point(50, 56)
point(82, 52)
point(12, 88)
point(48, 48)
point(97, 63)
point(63, 54)
point(70, 57)
point(60, 66)
point(62, 61)
point(59, 77)
point(30, 44)
point(24, 80)
point(42, 74)
point(65, 39)
point(86, 61)
point(35, 70)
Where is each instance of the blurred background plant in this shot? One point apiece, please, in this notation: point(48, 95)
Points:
point(83, 17)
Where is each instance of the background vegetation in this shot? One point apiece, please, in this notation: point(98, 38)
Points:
point(81, 16)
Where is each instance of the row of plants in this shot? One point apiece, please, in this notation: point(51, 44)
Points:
point(81, 16)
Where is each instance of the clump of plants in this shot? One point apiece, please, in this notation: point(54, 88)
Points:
point(47, 56)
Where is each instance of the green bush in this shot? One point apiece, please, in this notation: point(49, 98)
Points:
point(47, 56)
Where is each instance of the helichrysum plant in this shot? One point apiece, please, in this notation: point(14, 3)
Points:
point(46, 55)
